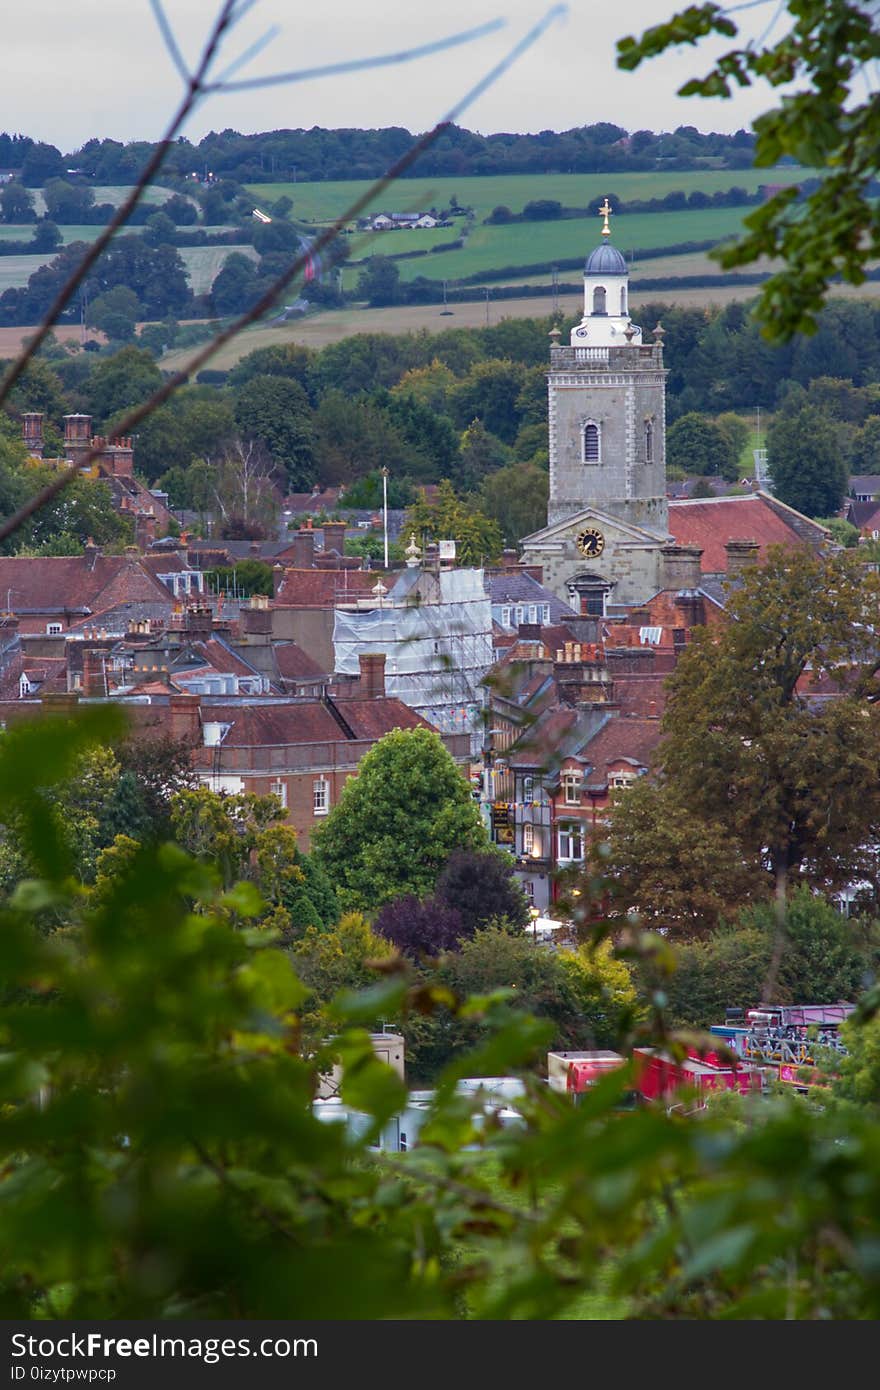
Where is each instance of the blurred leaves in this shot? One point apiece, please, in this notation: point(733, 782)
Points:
point(159, 1154)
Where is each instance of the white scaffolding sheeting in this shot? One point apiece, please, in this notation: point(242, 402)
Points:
point(436, 651)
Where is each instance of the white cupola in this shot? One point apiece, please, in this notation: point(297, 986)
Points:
point(606, 321)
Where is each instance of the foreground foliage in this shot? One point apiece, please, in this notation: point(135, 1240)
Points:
point(826, 48)
point(160, 1156)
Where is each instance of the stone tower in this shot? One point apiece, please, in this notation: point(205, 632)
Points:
point(607, 406)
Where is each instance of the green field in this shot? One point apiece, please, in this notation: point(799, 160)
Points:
point(115, 194)
point(203, 263)
point(25, 231)
point(16, 270)
point(321, 202)
point(542, 243)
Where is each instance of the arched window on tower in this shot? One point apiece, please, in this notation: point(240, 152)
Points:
point(622, 300)
point(599, 299)
point(591, 442)
point(649, 441)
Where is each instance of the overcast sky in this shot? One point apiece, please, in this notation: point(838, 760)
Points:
point(75, 71)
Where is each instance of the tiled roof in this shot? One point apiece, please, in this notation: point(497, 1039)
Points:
point(293, 663)
point(324, 588)
point(541, 744)
point(166, 562)
point(76, 582)
point(623, 739)
point(710, 524)
point(309, 721)
point(865, 515)
point(222, 658)
point(640, 695)
point(373, 718)
point(312, 502)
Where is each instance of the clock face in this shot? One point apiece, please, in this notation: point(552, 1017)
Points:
point(590, 543)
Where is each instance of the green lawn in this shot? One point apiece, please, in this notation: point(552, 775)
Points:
point(542, 243)
point(320, 202)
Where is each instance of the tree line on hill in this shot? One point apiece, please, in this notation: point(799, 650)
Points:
point(282, 155)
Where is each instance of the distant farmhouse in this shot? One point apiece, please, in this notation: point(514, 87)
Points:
point(393, 221)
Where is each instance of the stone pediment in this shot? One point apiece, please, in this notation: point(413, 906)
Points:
point(623, 533)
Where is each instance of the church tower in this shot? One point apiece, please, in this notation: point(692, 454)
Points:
point(607, 405)
point(607, 515)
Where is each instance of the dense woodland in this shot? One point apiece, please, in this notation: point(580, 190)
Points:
point(365, 154)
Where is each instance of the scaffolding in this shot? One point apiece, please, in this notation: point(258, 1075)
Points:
point(435, 630)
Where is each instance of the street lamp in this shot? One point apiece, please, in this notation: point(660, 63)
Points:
point(534, 913)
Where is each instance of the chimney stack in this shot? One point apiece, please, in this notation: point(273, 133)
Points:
point(334, 536)
point(77, 436)
point(372, 675)
point(32, 433)
point(94, 676)
point(302, 543)
point(145, 529)
point(255, 619)
point(199, 621)
point(740, 554)
point(681, 566)
point(184, 717)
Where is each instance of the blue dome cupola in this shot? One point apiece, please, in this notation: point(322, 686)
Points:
point(606, 321)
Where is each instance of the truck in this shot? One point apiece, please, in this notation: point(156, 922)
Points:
point(782, 1039)
point(572, 1073)
point(658, 1075)
point(661, 1076)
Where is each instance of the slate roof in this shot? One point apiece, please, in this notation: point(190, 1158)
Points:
point(865, 515)
point(862, 483)
point(516, 587)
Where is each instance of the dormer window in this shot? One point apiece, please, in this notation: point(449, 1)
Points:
point(571, 788)
point(591, 442)
point(599, 300)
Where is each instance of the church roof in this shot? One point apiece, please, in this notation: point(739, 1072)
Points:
point(605, 260)
point(710, 523)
